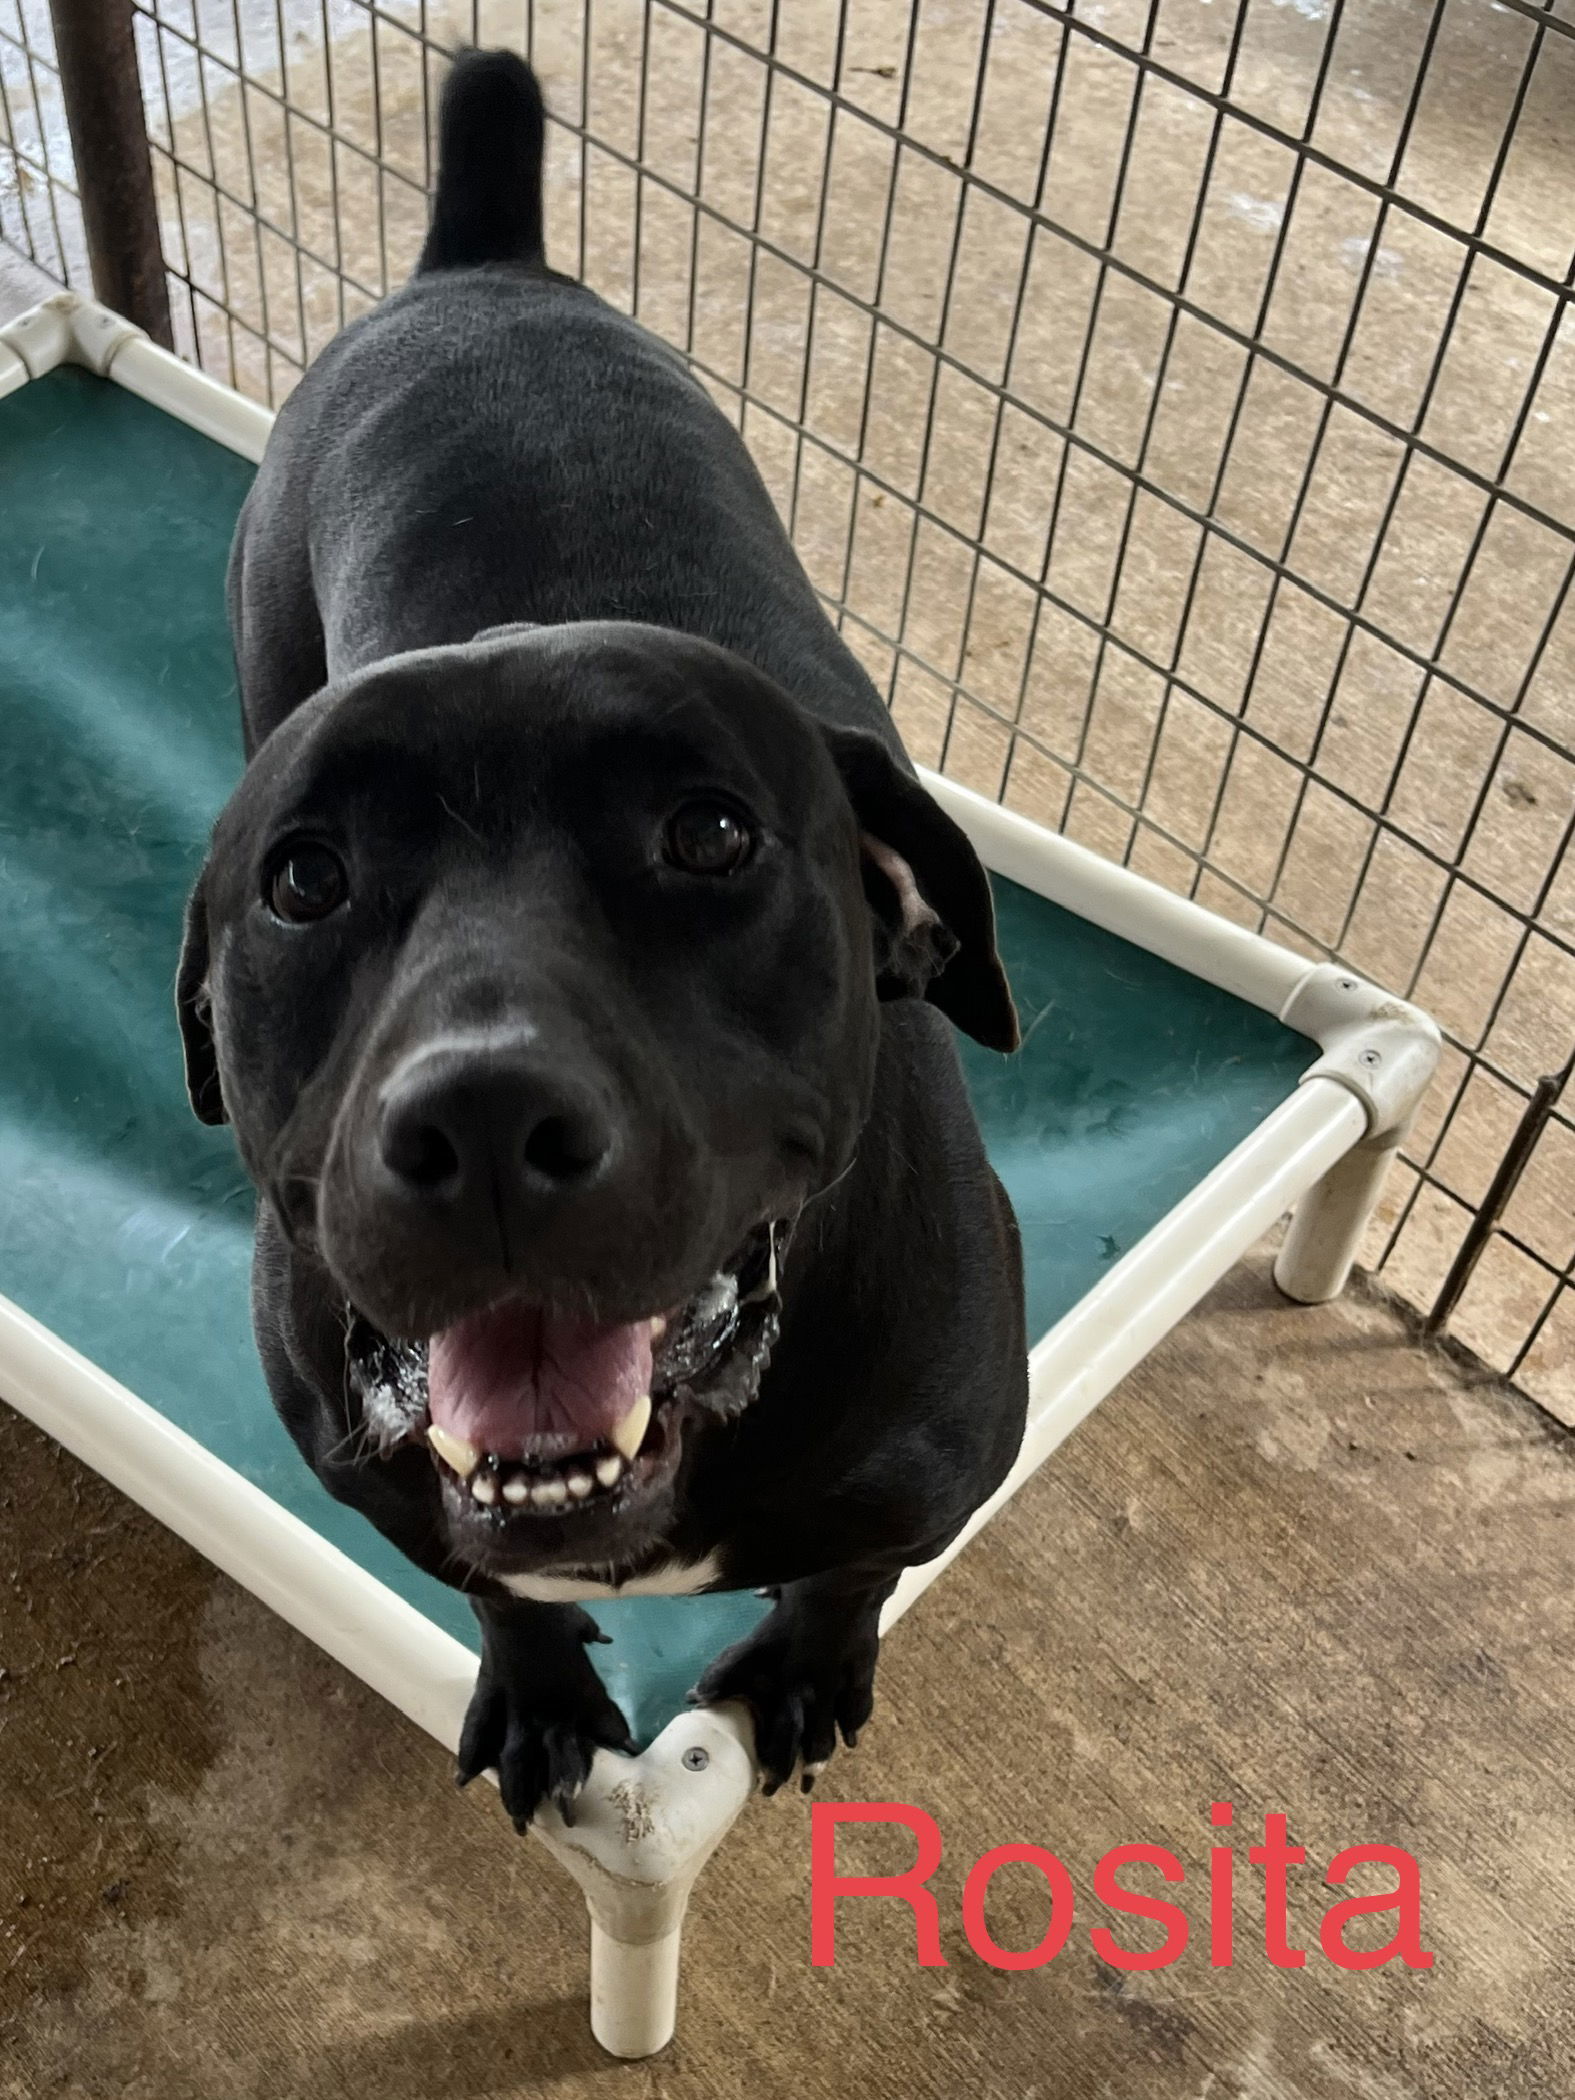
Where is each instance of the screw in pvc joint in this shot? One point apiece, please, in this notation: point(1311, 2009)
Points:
point(695, 1759)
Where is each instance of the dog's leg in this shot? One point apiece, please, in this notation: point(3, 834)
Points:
point(806, 1671)
point(539, 1712)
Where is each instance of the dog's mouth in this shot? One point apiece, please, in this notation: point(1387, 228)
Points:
point(531, 1415)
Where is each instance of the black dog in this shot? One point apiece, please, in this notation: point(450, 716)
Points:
point(539, 962)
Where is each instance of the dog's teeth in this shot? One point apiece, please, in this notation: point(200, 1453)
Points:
point(485, 1490)
point(549, 1493)
point(609, 1469)
point(630, 1433)
point(454, 1451)
point(767, 1288)
point(516, 1489)
point(579, 1484)
point(658, 1327)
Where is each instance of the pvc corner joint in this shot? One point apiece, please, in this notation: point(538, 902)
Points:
point(644, 1827)
point(1382, 1048)
point(68, 330)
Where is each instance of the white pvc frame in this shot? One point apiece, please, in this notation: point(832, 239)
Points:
point(646, 1825)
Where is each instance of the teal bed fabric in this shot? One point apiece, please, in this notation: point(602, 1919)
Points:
point(125, 1225)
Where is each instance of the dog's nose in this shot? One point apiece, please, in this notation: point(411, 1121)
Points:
point(491, 1130)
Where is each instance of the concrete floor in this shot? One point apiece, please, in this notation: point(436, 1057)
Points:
point(1294, 1562)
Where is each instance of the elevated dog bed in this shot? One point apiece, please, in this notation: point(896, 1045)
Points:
point(1181, 1084)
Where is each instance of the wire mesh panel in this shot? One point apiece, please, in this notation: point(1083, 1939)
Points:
point(1174, 400)
point(39, 214)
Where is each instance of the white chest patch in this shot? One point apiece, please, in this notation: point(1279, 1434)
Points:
point(669, 1578)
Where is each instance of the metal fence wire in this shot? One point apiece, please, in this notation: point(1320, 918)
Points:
point(1173, 401)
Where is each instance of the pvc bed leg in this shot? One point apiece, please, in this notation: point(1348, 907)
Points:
point(634, 1982)
point(1327, 1226)
point(644, 1827)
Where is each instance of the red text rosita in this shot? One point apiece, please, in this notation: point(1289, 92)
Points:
point(1117, 1886)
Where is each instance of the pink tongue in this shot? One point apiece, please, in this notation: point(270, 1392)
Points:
point(502, 1378)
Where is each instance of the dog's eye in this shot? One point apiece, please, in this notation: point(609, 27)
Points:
point(707, 838)
point(307, 883)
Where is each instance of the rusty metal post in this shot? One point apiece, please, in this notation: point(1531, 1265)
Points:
point(95, 45)
point(1535, 1119)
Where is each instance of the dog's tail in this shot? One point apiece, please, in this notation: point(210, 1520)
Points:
point(492, 128)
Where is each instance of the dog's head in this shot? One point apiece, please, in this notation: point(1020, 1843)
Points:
point(538, 977)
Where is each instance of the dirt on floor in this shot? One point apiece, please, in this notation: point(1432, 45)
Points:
point(1295, 1563)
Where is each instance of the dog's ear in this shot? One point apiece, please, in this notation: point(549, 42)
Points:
point(934, 915)
point(194, 1011)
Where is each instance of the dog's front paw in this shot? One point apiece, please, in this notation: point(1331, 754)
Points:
point(802, 1683)
point(540, 1735)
